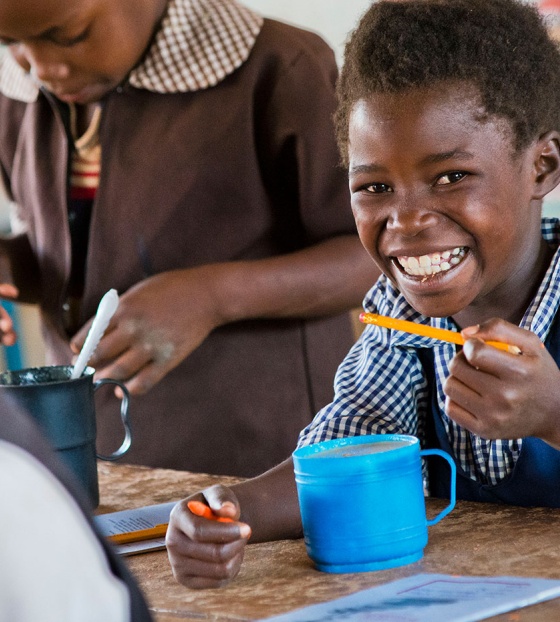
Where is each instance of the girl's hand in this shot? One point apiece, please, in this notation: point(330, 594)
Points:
point(204, 552)
point(496, 394)
point(8, 335)
point(158, 323)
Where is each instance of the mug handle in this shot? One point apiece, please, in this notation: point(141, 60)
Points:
point(453, 492)
point(124, 418)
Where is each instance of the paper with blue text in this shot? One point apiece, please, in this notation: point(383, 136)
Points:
point(431, 598)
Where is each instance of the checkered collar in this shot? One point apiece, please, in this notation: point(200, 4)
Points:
point(198, 44)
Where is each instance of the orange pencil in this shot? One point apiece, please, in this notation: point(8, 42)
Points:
point(428, 331)
point(158, 531)
point(201, 509)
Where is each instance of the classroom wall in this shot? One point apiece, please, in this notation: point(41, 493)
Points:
point(332, 19)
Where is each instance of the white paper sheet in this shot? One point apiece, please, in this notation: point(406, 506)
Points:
point(431, 598)
point(133, 520)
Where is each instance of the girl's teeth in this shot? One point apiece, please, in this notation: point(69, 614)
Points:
point(434, 263)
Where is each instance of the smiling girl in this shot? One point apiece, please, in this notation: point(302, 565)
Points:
point(448, 121)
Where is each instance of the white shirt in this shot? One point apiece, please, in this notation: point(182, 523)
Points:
point(52, 567)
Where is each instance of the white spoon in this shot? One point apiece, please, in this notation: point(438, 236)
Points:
point(105, 311)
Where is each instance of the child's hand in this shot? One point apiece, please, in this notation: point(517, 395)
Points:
point(203, 552)
point(495, 394)
point(158, 323)
point(8, 335)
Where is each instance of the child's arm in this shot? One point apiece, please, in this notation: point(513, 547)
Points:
point(18, 280)
point(19, 268)
point(495, 394)
point(207, 553)
point(8, 335)
point(162, 319)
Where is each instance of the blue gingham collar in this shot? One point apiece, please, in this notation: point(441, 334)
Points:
point(385, 299)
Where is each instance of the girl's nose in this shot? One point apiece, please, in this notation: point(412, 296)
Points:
point(411, 217)
point(41, 64)
point(49, 72)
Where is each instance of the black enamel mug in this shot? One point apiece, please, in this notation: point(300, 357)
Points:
point(64, 409)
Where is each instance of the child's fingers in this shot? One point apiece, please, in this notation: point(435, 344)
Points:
point(472, 411)
point(504, 332)
point(203, 551)
point(133, 367)
point(8, 335)
point(8, 291)
point(461, 416)
point(462, 391)
point(112, 344)
point(201, 565)
point(204, 566)
point(201, 529)
point(198, 508)
point(144, 377)
point(485, 357)
point(222, 501)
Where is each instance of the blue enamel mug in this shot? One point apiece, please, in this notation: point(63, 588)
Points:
point(362, 501)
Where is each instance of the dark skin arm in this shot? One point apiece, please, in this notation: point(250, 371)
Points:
point(205, 553)
point(492, 393)
point(18, 280)
point(162, 319)
point(19, 268)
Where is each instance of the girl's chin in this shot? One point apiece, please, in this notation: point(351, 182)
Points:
point(435, 306)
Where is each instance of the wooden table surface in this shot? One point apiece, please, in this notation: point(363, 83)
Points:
point(276, 577)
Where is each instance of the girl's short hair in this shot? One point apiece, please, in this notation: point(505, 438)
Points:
point(501, 47)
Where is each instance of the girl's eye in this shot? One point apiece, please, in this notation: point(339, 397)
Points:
point(64, 42)
point(450, 178)
point(67, 43)
point(377, 188)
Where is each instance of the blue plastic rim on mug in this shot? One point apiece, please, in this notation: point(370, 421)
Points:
point(362, 501)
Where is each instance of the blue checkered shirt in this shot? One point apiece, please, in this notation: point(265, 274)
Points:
point(380, 386)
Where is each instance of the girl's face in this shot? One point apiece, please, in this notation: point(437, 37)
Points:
point(78, 49)
point(443, 205)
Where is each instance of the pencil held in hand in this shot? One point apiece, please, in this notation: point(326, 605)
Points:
point(428, 331)
point(201, 509)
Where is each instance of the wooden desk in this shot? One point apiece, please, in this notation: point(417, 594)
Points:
point(475, 539)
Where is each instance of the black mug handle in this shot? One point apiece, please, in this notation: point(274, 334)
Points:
point(121, 451)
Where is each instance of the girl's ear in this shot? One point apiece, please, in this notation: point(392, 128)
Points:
point(547, 164)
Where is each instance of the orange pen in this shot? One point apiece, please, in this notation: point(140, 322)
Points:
point(201, 509)
point(428, 331)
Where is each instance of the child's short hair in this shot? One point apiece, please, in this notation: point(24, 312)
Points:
point(502, 47)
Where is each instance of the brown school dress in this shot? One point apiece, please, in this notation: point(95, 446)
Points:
point(243, 170)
